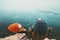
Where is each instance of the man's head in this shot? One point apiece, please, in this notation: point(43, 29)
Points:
point(39, 19)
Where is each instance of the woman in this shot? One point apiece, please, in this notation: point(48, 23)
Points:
point(20, 30)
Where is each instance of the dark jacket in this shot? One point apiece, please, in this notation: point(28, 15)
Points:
point(40, 28)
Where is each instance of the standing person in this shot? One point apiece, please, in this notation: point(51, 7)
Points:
point(40, 28)
point(20, 30)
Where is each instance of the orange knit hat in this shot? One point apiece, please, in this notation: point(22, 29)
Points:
point(14, 27)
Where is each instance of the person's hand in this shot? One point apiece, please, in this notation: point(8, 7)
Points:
point(20, 35)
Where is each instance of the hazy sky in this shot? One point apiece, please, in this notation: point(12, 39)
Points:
point(28, 4)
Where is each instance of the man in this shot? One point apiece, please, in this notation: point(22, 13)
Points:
point(40, 29)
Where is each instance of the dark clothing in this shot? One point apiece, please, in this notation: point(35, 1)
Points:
point(40, 28)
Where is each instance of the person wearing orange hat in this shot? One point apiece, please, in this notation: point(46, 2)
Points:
point(19, 29)
point(15, 27)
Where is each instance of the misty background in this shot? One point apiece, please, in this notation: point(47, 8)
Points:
point(25, 12)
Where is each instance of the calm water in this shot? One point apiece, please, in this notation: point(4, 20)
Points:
point(27, 19)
